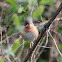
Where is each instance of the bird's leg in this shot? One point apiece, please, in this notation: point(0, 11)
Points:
point(30, 44)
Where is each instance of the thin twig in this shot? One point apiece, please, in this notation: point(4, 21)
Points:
point(43, 48)
point(8, 59)
point(18, 47)
point(55, 43)
point(1, 50)
point(38, 48)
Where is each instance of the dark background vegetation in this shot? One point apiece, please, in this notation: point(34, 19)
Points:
point(12, 15)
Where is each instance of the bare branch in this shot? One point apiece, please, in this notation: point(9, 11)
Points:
point(58, 36)
point(55, 43)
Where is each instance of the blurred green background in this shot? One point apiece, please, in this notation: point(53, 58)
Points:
point(12, 15)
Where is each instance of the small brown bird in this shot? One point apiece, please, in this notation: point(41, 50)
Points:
point(30, 31)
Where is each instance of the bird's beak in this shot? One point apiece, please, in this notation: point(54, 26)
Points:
point(27, 25)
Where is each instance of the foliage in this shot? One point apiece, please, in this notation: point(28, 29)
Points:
point(18, 11)
point(1, 60)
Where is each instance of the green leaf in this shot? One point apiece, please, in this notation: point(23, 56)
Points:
point(20, 9)
point(16, 20)
point(38, 12)
point(1, 60)
point(12, 2)
point(21, 17)
point(13, 5)
point(32, 2)
point(26, 45)
point(16, 44)
point(13, 8)
point(46, 2)
point(17, 23)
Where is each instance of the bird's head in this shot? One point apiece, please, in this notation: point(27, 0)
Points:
point(28, 24)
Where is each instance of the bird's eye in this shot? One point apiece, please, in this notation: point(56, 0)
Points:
point(26, 23)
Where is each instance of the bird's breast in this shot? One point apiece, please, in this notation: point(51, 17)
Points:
point(30, 36)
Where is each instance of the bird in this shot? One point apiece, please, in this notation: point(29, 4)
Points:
point(30, 32)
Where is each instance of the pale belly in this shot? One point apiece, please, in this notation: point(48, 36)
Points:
point(30, 36)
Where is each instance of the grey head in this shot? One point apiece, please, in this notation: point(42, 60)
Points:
point(26, 22)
